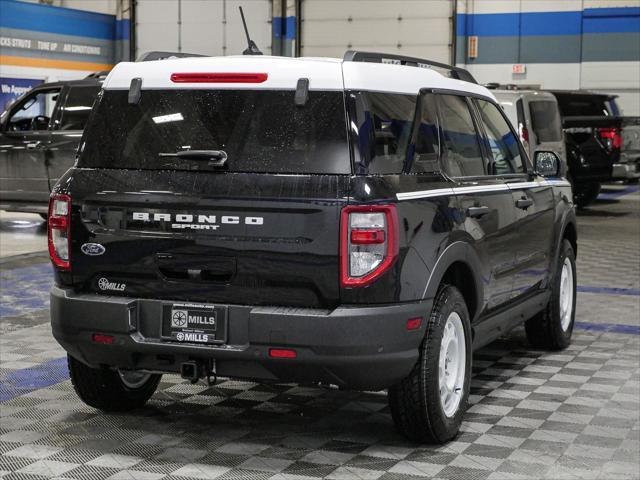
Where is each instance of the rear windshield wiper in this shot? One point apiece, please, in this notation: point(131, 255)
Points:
point(216, 158)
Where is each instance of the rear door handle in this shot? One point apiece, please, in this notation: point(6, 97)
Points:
point(524, 203)
point(475, 212)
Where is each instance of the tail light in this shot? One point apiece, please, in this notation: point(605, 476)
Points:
point(524, 134)
point(368, 243)
point(611, 137)
point(59, 230)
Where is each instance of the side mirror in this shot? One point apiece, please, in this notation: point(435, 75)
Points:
point(547, 164)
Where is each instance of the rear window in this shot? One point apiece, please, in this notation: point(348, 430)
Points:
point(576, 105)
point(545, 121)
point(259, 130)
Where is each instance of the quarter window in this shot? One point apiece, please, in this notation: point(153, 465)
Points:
point(427, 145)
point(461, 148)
point(78, 107)
point(502, 143)
point(384, 126)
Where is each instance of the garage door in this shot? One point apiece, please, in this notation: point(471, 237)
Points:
point(201, 26)
point(419, 28)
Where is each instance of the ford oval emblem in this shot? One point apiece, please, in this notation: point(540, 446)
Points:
point(92, 249)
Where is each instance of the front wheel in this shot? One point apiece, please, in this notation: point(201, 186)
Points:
point(110, 390)
point(428, 405)
point(552, 328)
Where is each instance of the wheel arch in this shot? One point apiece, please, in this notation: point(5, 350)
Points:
point(459, 265)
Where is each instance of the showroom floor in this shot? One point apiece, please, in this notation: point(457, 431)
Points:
point(570, 414)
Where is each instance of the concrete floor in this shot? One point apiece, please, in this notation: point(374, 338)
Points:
point(532, 414)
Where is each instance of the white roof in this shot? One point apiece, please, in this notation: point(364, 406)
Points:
point(284, 72)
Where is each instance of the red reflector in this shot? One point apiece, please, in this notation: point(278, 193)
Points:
point(282, 353)
point(367, 237)
point(414, 323)
point(58, 223)
point(219, 77)
point(102, 338)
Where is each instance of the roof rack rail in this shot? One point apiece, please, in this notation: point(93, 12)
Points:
point(375, 57)
point(98, 75)
point(511, 86)
point(158, 55)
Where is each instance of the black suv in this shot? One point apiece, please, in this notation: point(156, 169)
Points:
point(39, 138)
point(362, 222)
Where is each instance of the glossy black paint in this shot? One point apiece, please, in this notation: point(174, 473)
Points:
point(502, 259)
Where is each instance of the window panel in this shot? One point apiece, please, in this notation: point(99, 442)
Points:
point(78, 107)
point(461, 147)
point(503, 144)
point(427, 147)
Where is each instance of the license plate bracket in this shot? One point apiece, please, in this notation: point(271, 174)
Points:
point(194, 323)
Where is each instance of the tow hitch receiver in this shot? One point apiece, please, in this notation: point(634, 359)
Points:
point(194, 371)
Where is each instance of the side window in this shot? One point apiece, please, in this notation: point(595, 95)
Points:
point(503, 144)
point(77, 108)
point(545, 121)
point(385, 122)
point(34, 112)
point(462, 156)
point(427, 144)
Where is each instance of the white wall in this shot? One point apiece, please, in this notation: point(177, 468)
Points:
point(408, 27)
point(99, 6)
point(211, 27)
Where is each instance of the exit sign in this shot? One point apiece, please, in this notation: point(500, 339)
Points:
point(519, 68)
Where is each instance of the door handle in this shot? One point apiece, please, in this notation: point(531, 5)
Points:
point(33, 146)
point(475, 212)
point(524, 203)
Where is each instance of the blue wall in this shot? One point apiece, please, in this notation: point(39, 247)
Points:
point(595, 34)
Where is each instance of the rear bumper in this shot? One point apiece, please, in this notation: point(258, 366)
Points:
point(628, 169)
point(365, 348)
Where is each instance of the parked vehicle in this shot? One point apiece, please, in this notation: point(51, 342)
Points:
point(360, 222)
point(536, 116)
point(594, 131)
point(39, 137)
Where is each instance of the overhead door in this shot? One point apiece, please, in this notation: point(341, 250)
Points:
point(201, 26)
point(421, 28)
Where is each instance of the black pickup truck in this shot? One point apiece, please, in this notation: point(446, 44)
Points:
point(594, 132)
point(39, 137)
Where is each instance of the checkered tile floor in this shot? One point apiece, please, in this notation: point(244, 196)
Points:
point(533, 414)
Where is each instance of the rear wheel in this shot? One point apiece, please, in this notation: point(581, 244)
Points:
point(428, 405)
point(109, 390)
point(552, 328)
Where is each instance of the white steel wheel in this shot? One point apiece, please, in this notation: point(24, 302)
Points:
point(566, 294)
point(132, 379)
point(452, 364)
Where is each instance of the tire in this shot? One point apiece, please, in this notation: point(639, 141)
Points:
point(107, 390)
point(415, 402)
point(551, 329)
point(586, 194)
